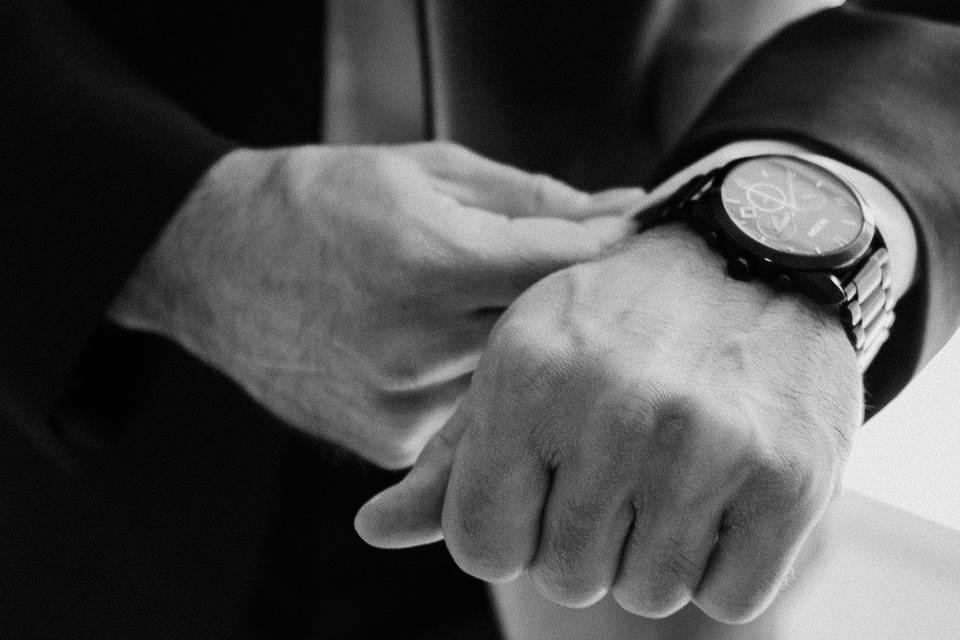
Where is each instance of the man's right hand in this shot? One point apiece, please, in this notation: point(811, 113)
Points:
point(642, 425)
point(350, 290)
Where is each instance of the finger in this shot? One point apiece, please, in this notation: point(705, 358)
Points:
point(696, 448)
point(752, 558)
point(501, 258)
point(517, 194)
point(584, 527)
point(476, 181)
point(408, 513)
point(492, 509)
point(663, 563)
point(549, 241)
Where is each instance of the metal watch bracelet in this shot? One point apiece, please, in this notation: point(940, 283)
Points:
point(867, 311)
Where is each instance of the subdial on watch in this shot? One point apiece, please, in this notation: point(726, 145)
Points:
point(765, 196)
point(780, 226)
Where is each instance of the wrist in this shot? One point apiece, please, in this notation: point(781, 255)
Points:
point(164, 294)
point(790, 218)
point(677, 245)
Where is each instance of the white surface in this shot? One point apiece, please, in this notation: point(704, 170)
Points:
point(909, 454)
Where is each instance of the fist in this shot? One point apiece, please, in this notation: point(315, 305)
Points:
point(351, 289)
point(641, 425)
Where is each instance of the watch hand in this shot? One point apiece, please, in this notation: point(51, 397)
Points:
point(780, 223)
point(791, 191)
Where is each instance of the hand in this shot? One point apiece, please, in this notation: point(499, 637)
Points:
point(351, 290)
point(640, 424)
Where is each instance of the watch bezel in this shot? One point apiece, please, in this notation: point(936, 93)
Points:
point(833, 260)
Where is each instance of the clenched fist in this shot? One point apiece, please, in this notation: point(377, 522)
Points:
point(350, 290)
point(644, 425)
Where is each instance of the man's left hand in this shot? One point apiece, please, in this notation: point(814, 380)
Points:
point(643, 425)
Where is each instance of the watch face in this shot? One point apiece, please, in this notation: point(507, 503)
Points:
point(792, 206)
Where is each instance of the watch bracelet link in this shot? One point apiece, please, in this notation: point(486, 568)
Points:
point(867, 309)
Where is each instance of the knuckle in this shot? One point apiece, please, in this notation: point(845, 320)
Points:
point(631, 404)
point(548, 194)
point(540, 185)
point(670, 423)
point(785, 482)
point(531, 354)
point(680, 419)
point(630, 410)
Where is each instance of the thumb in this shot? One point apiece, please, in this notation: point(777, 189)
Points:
point(408, 513)
point(620, 202)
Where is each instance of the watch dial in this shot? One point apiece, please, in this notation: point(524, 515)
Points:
point(792, 206)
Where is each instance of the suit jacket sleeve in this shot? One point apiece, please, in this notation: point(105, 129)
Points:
point(876, 84)
point(93, 162)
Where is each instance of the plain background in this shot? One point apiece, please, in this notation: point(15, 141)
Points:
point(909, 454)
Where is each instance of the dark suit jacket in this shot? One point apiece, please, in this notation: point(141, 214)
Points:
point(141, 494)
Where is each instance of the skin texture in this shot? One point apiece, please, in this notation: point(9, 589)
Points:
point(644, 425)
point(351, 290)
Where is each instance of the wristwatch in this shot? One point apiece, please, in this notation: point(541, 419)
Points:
point(796, 225)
